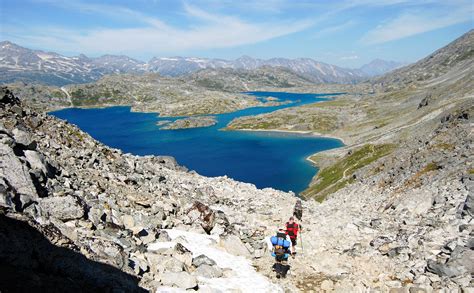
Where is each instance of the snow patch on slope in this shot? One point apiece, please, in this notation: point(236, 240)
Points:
point(244, 277)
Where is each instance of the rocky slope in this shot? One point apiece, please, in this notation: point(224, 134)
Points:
point(100, 219)
point(455, 59)
point(240, 80)
point(392, 113)
point(206, 92)
point(402, 186)
point(144, 93)
point(396, 212)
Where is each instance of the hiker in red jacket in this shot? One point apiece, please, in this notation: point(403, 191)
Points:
point(292, 229)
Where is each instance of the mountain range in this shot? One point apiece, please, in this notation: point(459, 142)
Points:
point(22, 64)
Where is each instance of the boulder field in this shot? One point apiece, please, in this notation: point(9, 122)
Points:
point(76, 215)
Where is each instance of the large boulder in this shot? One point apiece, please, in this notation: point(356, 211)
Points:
point(233, 245)
point(460, 263)
point(468, 206)
point(203, 214)
point(208, 271)
point(203, 260)
point(181, 280)
point(38, 162)
point(417, 203)
point(24, 139)
point(63, 208)
point(183, 254)
point(164, 263)
point(22, 188)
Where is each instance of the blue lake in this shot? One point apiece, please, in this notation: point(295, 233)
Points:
point(266, 159)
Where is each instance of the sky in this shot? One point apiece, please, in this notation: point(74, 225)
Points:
point(347, 33)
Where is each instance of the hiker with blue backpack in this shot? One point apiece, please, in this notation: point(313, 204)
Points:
point(284, 242)
point(281, 243)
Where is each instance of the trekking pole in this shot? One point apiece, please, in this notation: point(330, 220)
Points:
point(301, 238)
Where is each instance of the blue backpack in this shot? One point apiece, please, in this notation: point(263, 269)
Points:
point(281, 246)
point(278, 241)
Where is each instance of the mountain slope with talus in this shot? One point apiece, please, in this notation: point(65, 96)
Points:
point(394, 208)
point(141, 223)
point(400, 191)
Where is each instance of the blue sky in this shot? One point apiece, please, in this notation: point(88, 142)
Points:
point(347, 33)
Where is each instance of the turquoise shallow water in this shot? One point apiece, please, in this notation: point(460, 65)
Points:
point(266, 159)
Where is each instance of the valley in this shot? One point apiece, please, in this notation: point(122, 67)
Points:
point(391, 210)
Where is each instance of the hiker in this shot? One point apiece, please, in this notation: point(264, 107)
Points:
point(281, 243)
point(292, 229)
point(298, 210)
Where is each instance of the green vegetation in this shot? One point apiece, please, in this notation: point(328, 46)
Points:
point(430, 167)
point(322, 123)
point(339, 174)
point(471, 172)
point(444, 146)
point(415, 180)
point(95, 97)
point(57, 94)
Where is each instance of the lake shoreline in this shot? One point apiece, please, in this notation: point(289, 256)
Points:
point(312, 133)
point(210, 153)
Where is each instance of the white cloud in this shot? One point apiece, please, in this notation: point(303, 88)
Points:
point(410, 24)
point(155, 36)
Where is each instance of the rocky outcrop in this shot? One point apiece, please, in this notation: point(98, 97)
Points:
point(190, 122)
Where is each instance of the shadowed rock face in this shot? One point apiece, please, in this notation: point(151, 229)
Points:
point(30, 262)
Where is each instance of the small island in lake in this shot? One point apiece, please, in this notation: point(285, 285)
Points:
point(190, 122)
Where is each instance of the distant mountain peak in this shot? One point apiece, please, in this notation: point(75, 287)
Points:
point(380, 66)
point(22, 64)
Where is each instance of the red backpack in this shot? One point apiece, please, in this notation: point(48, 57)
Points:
point(292, 230)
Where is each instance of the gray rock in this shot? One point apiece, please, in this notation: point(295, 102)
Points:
point(203, 260)
point(63, 208)
point(379, 241)
point(163, 236)
point(24, 139)
point(164, 263)
point(468, 207)
point(458, 264)
point(181, 280)
point(183, 254)
point(5, 195)
point(233, 245)
point(38, 162)
point(149, 238)
point(208, 271)
point(19, 181)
